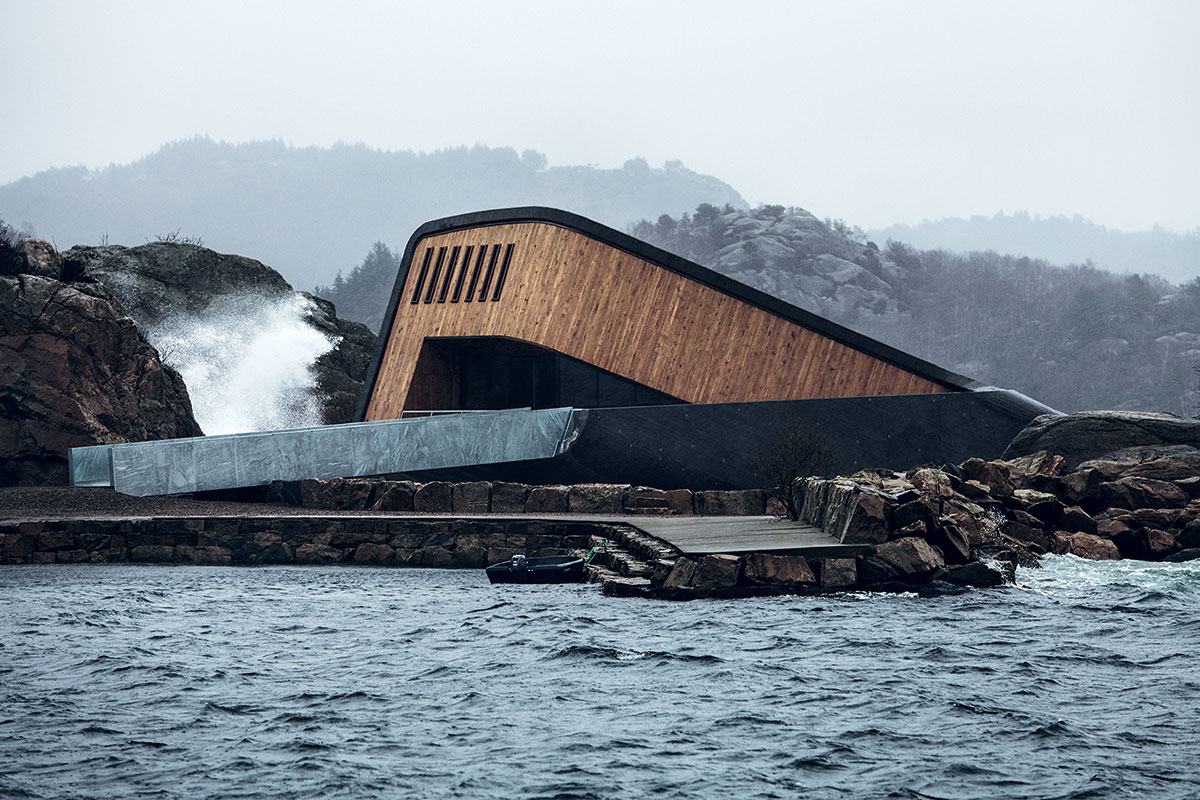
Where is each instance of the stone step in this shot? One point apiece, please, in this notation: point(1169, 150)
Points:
point(642, 545)
point(627, 587)
point(616, 585)
point(618, 559)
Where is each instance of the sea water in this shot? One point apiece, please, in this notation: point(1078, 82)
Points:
point(200, 682)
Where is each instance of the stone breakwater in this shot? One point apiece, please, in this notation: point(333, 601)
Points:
point(930, 529)
point(1130, 505)
point(627, 562)
point(935, 530)
point(222, 541)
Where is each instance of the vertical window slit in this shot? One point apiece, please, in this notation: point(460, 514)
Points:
point(475, 273)
point(437, 270)
point(462, 274)
point(508, 251)
point(416, 295)
point(491, 270)
point(449, 274)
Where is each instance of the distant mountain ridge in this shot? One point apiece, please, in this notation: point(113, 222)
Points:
point(1059, 240)
point(310, 212)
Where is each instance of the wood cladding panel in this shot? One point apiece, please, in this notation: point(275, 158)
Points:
point(567, 292)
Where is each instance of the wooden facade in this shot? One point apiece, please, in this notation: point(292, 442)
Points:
point(568, 285)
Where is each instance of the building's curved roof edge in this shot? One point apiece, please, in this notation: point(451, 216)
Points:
point(667, 260)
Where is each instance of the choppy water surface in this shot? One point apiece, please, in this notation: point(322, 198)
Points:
point(120, 681)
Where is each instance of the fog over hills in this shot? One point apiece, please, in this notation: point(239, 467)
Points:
point(1036, 304)
point(312, 212)
point(1059, 240)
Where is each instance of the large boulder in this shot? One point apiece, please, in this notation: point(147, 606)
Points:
point(738, 502)
point(508, 498)
point(596, 498)
point(703, 573)
point(837, 573)
point(76, 372)
point(1164, 463)
point(160, 280)
point(40, 258)
point(1093, 434)
point(912, 558)
point(1142, 493)
point(1085, 545)
point(340, 494)
point(974, 573)
point(867, 521)
point(769, 569)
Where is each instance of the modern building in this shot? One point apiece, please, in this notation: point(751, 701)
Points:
point(682, 377)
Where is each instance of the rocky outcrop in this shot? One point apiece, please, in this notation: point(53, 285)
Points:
point(163, 279)
point(1096, 434)
point(791, 254)
point(159, 280)
point(342, 371)
point(75, 371)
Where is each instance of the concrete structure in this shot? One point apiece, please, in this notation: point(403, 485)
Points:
point(205, 463)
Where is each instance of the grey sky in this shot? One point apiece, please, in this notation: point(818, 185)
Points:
point(877, 112)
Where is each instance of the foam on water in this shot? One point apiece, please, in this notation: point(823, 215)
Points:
point(247, 363)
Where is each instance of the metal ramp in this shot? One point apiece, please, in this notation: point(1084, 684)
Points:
point(438, 441)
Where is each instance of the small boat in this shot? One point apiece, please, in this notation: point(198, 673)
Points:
point(551, 569)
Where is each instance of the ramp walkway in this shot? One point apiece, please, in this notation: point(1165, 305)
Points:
point(694, 536)
point(203, 463)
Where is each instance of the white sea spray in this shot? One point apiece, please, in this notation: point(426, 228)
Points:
point(247, 362)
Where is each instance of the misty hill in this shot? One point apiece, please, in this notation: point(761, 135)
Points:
point(309, 211)
point(1059, 240)
point(1074, 337)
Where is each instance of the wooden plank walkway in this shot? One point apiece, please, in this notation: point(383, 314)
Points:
point(735, 535)
point(689, 535)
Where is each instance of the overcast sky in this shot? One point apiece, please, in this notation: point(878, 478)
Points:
point(876, 112)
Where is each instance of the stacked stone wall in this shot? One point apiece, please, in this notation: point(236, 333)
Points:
point(382, 541)
point(484, 497)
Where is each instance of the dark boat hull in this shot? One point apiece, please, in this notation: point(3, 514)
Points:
point(553, 569)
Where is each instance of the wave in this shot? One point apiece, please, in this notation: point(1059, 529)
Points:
point(615, 654)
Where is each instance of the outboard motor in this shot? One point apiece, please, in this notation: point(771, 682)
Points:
point(518, 563)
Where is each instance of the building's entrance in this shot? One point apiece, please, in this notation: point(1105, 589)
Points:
point(489, 373)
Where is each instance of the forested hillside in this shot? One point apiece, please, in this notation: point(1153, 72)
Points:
point(362, 294)
point(1074, 337)
point(308, 211)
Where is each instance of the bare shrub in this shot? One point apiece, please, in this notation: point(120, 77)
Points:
point(176, 237)
point(11, 259)
point(796, 451)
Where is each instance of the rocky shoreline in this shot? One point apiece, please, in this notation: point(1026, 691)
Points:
point(932, 530)
point(1061, 488)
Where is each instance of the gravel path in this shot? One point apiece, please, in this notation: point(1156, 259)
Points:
point(76, 502)
point(56, 502)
